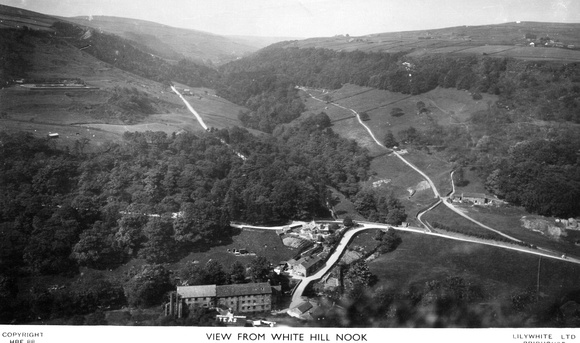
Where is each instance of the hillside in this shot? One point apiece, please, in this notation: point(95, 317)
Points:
point(109, 100)
point(551, 41)
point(17, 18)
point(170, 42)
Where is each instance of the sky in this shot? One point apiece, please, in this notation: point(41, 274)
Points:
point(313, 18)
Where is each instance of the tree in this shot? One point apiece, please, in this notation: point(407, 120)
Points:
point(148, 286)
point(193, 274)
point(477, 96)
point(322, 121)
point(96, 318)
point(348, 222)
point(332, 228)
point(397, 112)
point(159, 246)
point(396, 211)
point(459, 178)
point(358, 275)
point(238, 273)
point(130, 235)
point(365, 202)
point(410, 135)
point(96, 248)
point(92, 291)
point(200, 220)
point(8, 292)
point(215, 274)
point(49, 248)
point(390, 241)
point(364, 116)
point(389, 141)
point(260, 269)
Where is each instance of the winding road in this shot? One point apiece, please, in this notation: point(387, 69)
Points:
point(349, 235)
point(444, 200)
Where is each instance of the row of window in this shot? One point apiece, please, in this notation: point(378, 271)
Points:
point(231, 300)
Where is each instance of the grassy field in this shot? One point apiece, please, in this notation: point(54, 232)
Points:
point(446, 106)
point(475, 185)
point(401, 179)
point(345, 207)
point(364, 242)
point(434, 166)
point(501, 273)
point(443, 215)
point(507, 220)
point(87, 114)
point(261, 242)
point(69, 135)
point(343, 123)
point(501, 40)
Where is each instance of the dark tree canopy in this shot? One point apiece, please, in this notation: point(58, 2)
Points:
point(260, 269)
point(148, 286)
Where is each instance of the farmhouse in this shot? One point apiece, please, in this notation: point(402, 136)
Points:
point(244, 298)
point(475, 198)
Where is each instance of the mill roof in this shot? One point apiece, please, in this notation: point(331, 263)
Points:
point(243, 289)
point(197, 291)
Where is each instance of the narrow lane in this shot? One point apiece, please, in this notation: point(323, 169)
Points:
point(202, 123)
point(197, 116)
point(427, 178)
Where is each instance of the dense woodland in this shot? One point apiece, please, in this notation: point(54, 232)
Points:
point(157, 197)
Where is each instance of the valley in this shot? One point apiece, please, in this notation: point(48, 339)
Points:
point(432, 174)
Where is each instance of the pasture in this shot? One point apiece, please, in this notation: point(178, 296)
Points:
point(499, 272)
point(507, 220)
point(446, 107)
point(264, 243)
point(501, 40)
point(443, 215)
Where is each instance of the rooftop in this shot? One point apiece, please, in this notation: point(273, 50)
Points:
point(474, 195)
point(309, 262)
point(243, 289)
point(224, 291)
point(197, 291)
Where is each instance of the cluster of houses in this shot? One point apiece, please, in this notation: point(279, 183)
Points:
point(474, 198)
point(546, 42)
point(311, 231)
point(235, 301)
point(240, 252)
point(314, 255)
